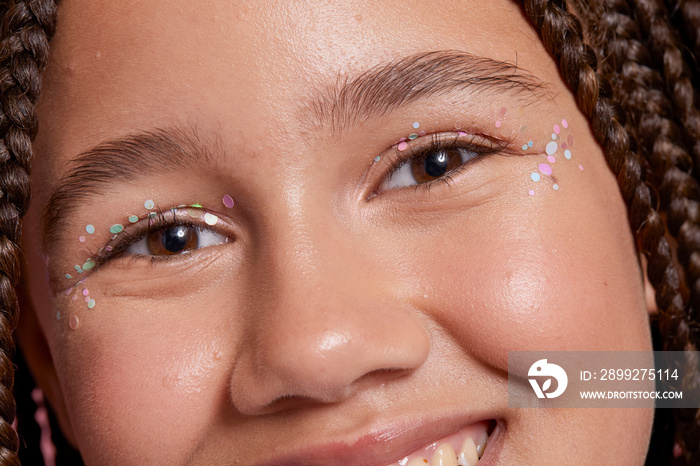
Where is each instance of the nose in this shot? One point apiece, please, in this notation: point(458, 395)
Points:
point(325, 324)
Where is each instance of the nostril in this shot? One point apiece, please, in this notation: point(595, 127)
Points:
point(288, 403)
point(375, 377)
point(385, 375)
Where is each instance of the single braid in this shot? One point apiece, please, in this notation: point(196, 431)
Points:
point(25, 32)
point(686, 15)
point(598, 97)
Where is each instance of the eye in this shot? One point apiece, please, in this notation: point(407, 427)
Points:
point(435, 161)
point(175, 239)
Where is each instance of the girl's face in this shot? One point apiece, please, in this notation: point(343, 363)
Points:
point(336, 294)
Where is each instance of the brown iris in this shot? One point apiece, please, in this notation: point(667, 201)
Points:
point(173, 240)
point(435, 164)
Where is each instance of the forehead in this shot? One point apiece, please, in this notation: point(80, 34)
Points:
point(243, 66)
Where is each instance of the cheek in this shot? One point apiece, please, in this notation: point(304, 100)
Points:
point(143, 372)
point(585, 434)
point(558, 276)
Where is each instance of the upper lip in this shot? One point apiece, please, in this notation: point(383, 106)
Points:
point(378, 445)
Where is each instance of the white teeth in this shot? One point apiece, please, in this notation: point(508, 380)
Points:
point(482, 444)
point(480, 449)
point(468, 455)
point(444, 456)
point(416, 462)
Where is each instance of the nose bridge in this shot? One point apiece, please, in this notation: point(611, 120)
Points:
point(301, 245)
point(311, 245)
point(322, 324)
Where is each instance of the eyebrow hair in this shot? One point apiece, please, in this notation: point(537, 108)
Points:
point(386, 87)
point(375, 92)
point(123, 159)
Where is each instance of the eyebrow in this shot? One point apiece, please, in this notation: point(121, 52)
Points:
point(124, 160)
point(375, 92)
point(386, 87)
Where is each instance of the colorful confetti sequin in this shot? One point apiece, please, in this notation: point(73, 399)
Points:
point(210, 219)
point(551, 148)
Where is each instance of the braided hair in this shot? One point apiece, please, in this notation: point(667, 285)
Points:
point(640, 101)
point(25, 32)
point(628, 63)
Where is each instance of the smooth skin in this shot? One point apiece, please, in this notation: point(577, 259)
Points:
point(340, 309)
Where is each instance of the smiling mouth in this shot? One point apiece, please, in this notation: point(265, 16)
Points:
point(463, 448)
point(442, 441)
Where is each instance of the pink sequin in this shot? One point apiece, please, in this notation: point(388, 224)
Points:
point(402, 146)
point(546, 169)
point(74, 322)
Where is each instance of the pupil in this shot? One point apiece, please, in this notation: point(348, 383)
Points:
point(175, 239)
point(436, 164)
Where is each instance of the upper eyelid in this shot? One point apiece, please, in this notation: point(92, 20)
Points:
point(444, 139)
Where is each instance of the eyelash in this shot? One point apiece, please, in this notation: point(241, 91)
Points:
point(438, 142)
point(157, 222)
point(417, 151)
